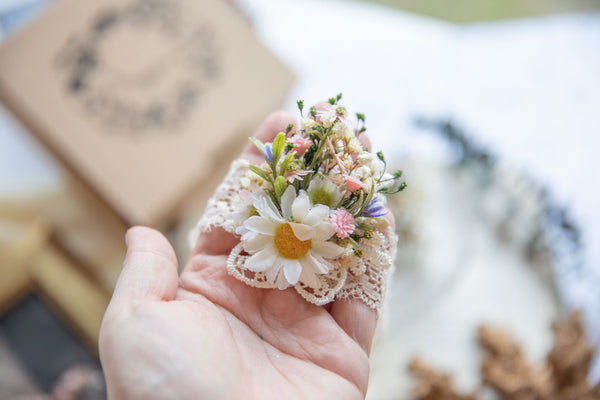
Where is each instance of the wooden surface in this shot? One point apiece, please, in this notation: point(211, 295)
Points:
point(65, 250)
point(78, 299)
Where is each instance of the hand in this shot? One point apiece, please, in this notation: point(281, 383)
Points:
point(206, 335)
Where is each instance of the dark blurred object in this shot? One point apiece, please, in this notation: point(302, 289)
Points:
point(465, 149)
point(41, 341)
point(29, 396)
point(519, 206)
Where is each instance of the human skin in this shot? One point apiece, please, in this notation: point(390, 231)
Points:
point(205, 335)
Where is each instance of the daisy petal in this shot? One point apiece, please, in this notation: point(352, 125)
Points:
point(292, 270)
point(327, 249)
point(271, 273)
point(316, 214)
point(317, 265)
point(301, 206)
point(302, 231)
point(248, 235)
point(309, 278)
point(258, 242)
point(324, 231)
point(260, 225)
point(282, 283)
point(267, 209)
point(261, 260)
point(287, 199)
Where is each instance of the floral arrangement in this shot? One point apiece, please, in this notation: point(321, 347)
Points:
point(315, 208)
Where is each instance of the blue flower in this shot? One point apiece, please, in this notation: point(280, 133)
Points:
point(374, 209)
point(267, 151)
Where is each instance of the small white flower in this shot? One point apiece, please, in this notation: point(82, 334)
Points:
point(337, 179)
point(243, 203)
point(342, 130)
point(365, 158)
point(354, 146)
point(363, 172)
point(328, 117)
point(322, 190)
point(372, 162)
point(291, 245)
point(306, 124)
point(378, 167)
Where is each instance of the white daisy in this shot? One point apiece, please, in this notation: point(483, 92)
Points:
point(291, 245)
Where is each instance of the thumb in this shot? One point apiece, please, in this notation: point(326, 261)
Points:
point(149, 270)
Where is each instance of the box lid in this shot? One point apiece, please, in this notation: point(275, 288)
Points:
point(140, 98)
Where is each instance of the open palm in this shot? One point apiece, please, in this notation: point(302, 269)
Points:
point(206, 335)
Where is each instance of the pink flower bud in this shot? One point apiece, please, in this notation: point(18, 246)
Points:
point(353, 183)
point(301, 144)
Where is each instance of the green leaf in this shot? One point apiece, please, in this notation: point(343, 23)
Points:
point(286, 162)
point(389, 191)
point(368, 199)
point(357, 206)
point(318, 128)
point(380, 156)
point(280, 186)
point(259, 172)
point(259, 145)
point(273, 198)
point(278, 144)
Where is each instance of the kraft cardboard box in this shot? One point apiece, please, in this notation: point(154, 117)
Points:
point(141, 99)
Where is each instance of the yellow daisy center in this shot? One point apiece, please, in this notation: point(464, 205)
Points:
point(288, 245)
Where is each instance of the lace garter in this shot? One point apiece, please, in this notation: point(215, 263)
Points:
point(362, 278)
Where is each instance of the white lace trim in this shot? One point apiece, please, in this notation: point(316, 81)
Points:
point(361, 278)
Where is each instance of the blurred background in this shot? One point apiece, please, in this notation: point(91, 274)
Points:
point(492, 110)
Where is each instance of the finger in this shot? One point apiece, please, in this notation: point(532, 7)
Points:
point(357, 319)
point(218, 241)
point(149, 270)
